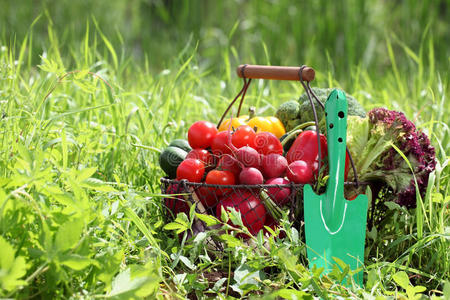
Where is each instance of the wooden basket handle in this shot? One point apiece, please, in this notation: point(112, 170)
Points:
point(275, 72)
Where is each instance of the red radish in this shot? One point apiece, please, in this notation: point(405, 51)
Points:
point(176, 204)
point(300, 172)
point(251, 176)
point(273, 165)
point(250, 206)
point(281, 195)
point(248, 156)
point(229, 163)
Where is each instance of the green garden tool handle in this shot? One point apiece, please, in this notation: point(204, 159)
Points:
point(333, 210)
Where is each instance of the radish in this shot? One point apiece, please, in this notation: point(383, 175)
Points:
point(251, 176)
point(280, 195)
point(300, 172)
point(251, 208)
point(273, 165)
point(229, 163)
point(248, 156)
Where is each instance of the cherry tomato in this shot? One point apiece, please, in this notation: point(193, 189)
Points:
point(234, 124)
point(222, 178)
point(191, 169)
point(203, 155)
point(267, 143)
point(220, 144)
point(244, 136)
point(300, 172)
point(201, 134)
point(229, 163)
point(251, 208)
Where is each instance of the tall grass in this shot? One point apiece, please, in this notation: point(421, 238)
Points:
point(81, 127)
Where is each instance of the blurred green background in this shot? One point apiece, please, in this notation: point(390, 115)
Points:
point(337, 35)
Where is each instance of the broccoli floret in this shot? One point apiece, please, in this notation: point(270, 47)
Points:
point(288, 114)
point(306, 112)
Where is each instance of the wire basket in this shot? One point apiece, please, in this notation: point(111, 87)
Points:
point(259, 205)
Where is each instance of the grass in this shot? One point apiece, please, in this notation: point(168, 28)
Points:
point(80, 205)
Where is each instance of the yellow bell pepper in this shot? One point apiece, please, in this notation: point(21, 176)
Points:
point(234, 124)
point(268, 124)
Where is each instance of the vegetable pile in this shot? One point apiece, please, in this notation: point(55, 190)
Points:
point(257, 162)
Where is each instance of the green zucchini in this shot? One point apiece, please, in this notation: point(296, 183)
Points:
point(170, 158)
point(182, 144)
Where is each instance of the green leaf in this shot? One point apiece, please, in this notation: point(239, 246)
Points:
point(77, 262)
point(187, 262)
point(292, 294)
point(402, 279)
point(231, 241)
point(68, 234)
point(209, 220)
point(11, 268)
point(135, 282)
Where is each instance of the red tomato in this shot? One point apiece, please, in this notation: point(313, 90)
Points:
point(220, 144)
point(252, 209)
point(222, 178)
point(203, 155)
point(201, 134)
point(177, 204)
point(244, 136)
point(229, 163)
point(191, 169)
point(207, 197)
point(267, 143)
point(300, 172)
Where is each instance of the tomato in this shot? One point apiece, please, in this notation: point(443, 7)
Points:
point(251, 208)
point(267, 143)
point(207, 196)
point(222, 178)
point(203, 155)
point(191, 169)
point(201, 134)
point(229, 163)
point(176, 204)
point(300, 172)
point(244, 136)
point(234, 124)
point(220, 144)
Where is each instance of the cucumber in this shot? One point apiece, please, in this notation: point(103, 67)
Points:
point(182, 144)
point(169, 160)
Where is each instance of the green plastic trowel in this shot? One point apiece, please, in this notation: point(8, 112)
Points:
point(335, 227)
